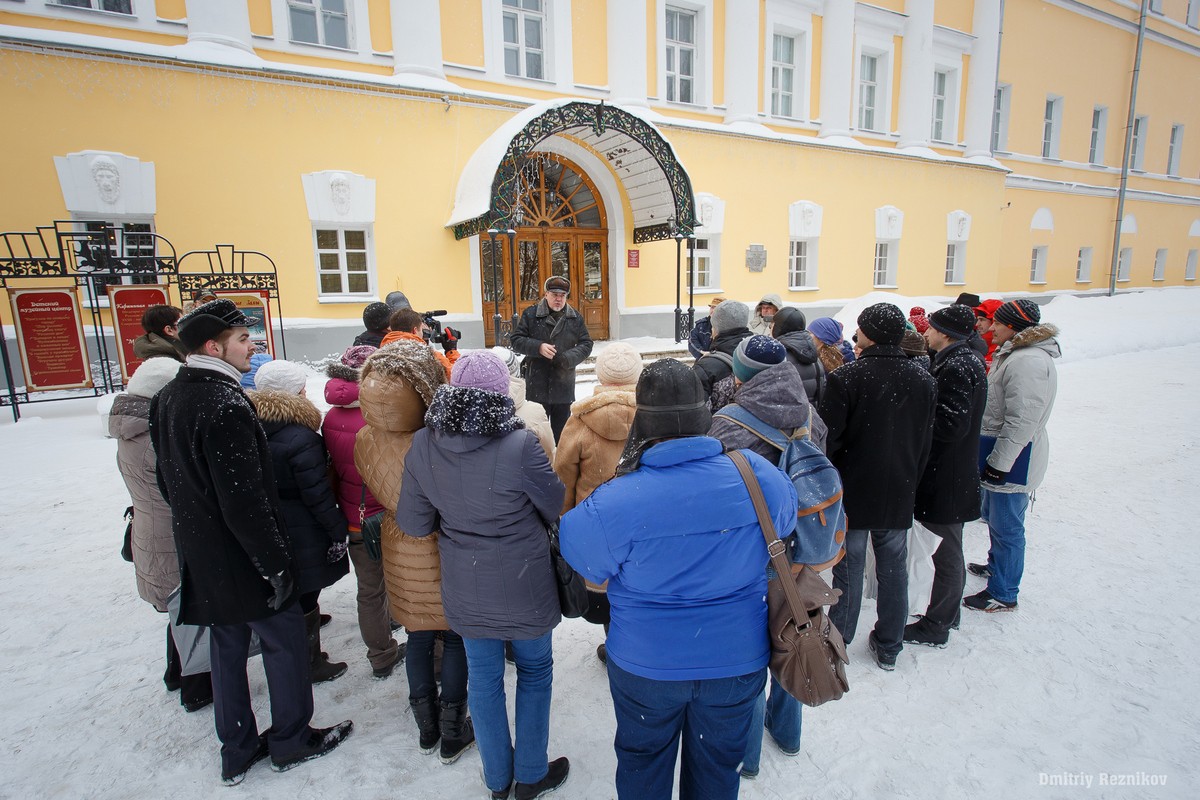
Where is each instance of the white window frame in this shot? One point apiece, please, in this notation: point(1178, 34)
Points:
point(1160, 264)
point(875, 30)
point(523, 17)
point(702, 79)
point(1174, 149)
point(1001, 106)
point(368, 232)
point(675, 79)
point(944, 116)
point(318, 7)
point(1098, 135)
point(557, 64)
point(1083, 266)
point(783, 18)
point(881, 105)
point(1193, 14)
point(95, 5)
point(802, 266)
point(1156, 6)
point(956, 263)
point(783, 100)
point(883, 275)
point(1124, 264)
point(707, 263)
point(116, 221)
point(1052, 127)
point(1037, 264)
point(1137, 153)
point(1189, 271)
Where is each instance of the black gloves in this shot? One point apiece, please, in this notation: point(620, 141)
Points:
point(451, 341)
point(336, 552)
point(993, 476)
point(282, 586)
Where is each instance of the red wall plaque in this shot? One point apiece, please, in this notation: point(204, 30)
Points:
point(50, 339)
point(128, 303)
point(633, 258)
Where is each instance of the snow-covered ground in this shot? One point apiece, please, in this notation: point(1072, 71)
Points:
point(1086, 685)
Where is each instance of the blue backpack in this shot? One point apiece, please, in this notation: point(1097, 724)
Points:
point(821, 520)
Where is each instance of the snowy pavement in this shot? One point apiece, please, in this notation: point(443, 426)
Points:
point(1084, 688)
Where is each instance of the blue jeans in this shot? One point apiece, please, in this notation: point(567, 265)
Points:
point(780, 714)
point(891, 570)
point(712, 716)
point(485, 697)
point(1004, 514)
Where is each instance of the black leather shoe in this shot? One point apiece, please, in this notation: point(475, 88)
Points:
point(232, 777)
point(320, 741)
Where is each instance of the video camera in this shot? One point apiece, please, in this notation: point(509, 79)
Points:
point(436, 334)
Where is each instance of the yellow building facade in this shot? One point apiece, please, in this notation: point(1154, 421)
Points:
point(818, 149)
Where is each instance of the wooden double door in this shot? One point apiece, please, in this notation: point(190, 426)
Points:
point(567, 237)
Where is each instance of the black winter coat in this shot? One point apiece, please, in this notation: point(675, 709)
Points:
point(949, 488)
point(551, 381)
point(370, 339)
point(710, 370)
point(214, 470)
point(311, 519)
point(879, 409)
point(802, 354)
point(700, 339)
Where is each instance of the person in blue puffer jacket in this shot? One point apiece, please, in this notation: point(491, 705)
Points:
point(677, 537)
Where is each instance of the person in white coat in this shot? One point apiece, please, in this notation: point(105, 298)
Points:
point(1022, 386)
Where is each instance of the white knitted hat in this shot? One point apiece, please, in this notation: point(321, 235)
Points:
point(152, 375)
point(618, 365)
point(283, 376)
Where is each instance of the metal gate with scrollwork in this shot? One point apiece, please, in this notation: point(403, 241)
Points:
point(91, 257)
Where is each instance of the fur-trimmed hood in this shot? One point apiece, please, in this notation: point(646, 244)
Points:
point(472, 413)
point(336, 369)
point(285, 408)
point(413, 362)
point(615, 405)
point(1038, 335)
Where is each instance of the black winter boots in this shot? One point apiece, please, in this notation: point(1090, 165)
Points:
point(320, 741)
point(320, 668)
point(425, 712)
point(458, 732)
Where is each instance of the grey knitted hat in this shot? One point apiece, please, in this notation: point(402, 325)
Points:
point(730, 315)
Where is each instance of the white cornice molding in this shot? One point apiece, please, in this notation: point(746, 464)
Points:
point(882, 18)
point(1083, 9)
point(953, 39)
point(1036, 184)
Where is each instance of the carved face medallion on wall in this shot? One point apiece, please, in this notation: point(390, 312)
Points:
point(107, 178)
point(340, 193)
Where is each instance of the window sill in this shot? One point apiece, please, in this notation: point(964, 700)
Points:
point(1123, 280)
point(320, 46)
point(698, 290)
point(1037, 283)
point(113, 14)
point(885, 286)
point(804, 288)
point(1077, 280)
point(1052, 159)
point(955, 283)
point(346, 299)
point(1158, 280)
point(1097, 165)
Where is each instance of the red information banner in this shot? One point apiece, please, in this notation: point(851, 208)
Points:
point(255, 304)
point(128, 303)
point(633, 259)
point(50, 339)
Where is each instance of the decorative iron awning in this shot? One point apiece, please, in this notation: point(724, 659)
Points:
point(656, 185)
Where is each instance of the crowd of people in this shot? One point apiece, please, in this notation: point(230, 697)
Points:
point(442, 476)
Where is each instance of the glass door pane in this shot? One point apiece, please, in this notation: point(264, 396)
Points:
point(527, 263)
point(593, 271)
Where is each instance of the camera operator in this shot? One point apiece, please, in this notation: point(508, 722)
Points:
point(410, 325)
point(554, 337)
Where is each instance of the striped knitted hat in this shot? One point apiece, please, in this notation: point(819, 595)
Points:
point(1019, 314)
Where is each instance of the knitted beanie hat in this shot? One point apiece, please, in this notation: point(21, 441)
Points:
point(754, 354)
point(280, 375)
point(730, 315)
point(913, 344)
point(987, 309)
point(618, 365)
point(827, 329)
point(510, 360)
point(356, 356)
point(956, 321)
point(916, 315)
point(480, 369)
point(883, 323)
point(1019, 314)
point(152, 375)
point(375, 316)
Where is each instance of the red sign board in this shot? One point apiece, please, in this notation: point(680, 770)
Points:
point(633, 258)
point(50, 339)
point(128, 303)
point(255, 304)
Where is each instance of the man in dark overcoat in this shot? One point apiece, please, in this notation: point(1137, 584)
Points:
point(948, 494)
point(235, 567)
point(554, 339)
point(879, 409)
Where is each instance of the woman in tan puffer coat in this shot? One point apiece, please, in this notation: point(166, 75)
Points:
point(155, 561)
point(397, 384)
point(592, 441)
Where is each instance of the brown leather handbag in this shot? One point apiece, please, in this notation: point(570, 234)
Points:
point(808, 656)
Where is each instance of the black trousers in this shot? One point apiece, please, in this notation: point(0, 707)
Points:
point(949, 576)
point(285, 659)
point(559, 413)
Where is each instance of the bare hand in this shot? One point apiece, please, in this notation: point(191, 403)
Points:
point(548, 351)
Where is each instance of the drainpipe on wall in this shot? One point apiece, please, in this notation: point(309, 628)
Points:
point(1125, 156)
